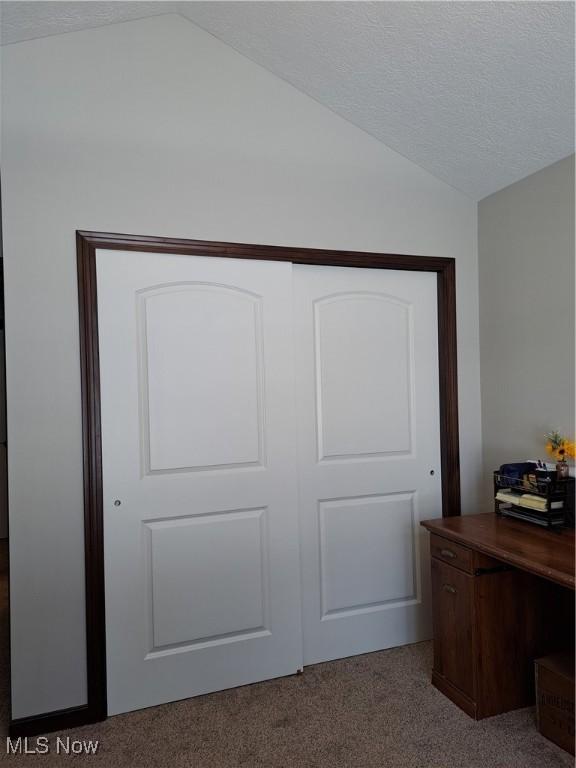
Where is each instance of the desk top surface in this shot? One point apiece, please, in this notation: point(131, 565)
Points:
point(545, 553)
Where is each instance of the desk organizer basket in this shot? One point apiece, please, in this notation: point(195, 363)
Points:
point(557, 495)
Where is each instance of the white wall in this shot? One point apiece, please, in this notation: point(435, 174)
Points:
point(526, 255)
point(154, 127)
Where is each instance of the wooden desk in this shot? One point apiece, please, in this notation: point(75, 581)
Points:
point(501, 597)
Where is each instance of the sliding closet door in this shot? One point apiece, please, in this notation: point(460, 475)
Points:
point(369, 455)
point(199, 481)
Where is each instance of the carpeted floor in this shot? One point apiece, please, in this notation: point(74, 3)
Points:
point(372, 711)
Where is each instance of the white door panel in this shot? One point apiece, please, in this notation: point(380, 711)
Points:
point(223, 407)
point(368, 424)
point(199, 415)
point(368, 331)
point(198, 436)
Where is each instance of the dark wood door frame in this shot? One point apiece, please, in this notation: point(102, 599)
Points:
point(87, 245)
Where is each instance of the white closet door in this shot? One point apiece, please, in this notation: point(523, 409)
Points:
point(200, 487)
point(368, 423)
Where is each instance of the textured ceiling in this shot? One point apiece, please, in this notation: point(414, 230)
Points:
point(480, 94)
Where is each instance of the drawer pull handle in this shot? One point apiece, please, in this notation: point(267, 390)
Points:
point(447, 553)
point(449, 588)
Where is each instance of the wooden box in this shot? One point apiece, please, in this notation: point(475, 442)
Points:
point(555, 699)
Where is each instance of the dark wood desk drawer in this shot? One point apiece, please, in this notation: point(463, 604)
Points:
point(452, 596)
point(493, 614)
point(451, 553)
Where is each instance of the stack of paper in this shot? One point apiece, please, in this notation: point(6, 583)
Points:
point(528, 500)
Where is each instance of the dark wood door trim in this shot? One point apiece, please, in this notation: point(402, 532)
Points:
point(87, 244)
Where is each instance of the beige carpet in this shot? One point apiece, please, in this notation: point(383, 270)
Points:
point(372, 711)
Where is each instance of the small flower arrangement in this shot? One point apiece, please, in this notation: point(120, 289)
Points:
point(560, 447)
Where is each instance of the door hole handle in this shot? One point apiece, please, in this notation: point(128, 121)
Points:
point(447, 553)
point(449, 588)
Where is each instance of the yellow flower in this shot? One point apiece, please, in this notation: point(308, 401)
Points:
point(569, 449)
point(566, 450)
point(559, 447)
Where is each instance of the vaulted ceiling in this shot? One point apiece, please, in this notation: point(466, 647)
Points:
point(480, 94)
